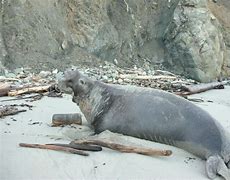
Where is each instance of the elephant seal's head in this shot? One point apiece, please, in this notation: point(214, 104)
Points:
point(80, 84)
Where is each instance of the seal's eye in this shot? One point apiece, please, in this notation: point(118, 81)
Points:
point(82, 82)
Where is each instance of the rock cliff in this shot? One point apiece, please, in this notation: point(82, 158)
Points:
point(189, 37)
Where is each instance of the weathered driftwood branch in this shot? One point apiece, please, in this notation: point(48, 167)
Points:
point(55, 148)
point(140, 77)
point(37, 89)
point(8, 79)
point(80, 146)
point(8, 110)
point(158, 71)
point(33, 97)
point(5, 88)
point(124, 148)
point(194, 89)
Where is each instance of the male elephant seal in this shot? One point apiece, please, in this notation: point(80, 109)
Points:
point(153, 115)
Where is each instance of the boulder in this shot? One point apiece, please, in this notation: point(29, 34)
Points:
point(195, 42)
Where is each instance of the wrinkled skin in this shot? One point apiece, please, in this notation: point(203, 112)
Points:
point(153, 115)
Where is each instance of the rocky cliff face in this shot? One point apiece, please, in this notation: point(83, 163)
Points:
point(221, 12)
point(186, 36)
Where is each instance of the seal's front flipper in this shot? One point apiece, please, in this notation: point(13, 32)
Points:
point(215, 165)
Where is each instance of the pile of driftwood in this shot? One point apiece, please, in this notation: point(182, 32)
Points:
point(158, 79)
point(183, 89)
point(20, 91)
point(161, 79)
point(7, 89)
point(26, 83)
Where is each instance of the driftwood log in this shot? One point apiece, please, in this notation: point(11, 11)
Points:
point(2, 79)
point(124, 148)
point(37, 89)
point(6, 88)
point(194, 89)
point(66, 119)
point(141, 77)
point(32, 97)
point(55, 148)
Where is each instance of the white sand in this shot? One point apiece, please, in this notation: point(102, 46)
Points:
point(25, 163)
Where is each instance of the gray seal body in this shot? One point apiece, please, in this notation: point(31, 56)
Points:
point(153, 115)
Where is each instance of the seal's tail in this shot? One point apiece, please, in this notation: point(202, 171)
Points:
point(215, 165)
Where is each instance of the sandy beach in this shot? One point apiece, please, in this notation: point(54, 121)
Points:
point(33, 126)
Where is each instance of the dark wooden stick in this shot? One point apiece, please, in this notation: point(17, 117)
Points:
point(80, 146)
point(55, 148)
point(124, 148)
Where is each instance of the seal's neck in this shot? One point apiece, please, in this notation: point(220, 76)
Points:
point(93, 104)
